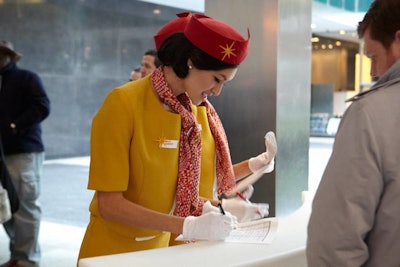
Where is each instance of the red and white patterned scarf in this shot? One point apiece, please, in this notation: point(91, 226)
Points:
point(187, 192)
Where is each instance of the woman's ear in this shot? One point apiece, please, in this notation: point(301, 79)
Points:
point(189, 63)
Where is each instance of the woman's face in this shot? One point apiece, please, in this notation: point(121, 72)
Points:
point(200, 84)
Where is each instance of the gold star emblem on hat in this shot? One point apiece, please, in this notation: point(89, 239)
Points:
point(227, 50)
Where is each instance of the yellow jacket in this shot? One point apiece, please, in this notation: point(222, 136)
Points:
point(135, 149)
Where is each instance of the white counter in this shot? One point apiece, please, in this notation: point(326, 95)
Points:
point(287, 249)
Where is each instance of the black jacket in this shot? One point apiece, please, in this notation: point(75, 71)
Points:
point(23, 101)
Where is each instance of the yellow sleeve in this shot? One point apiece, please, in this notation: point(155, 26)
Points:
point(112, 130)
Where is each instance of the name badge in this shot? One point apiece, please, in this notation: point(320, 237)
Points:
point(169, 143)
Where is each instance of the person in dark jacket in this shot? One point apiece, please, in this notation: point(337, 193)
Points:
point(24, 104)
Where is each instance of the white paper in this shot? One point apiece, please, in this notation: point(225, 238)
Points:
point(261, 231)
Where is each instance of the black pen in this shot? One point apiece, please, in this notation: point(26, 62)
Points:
point(221, 208)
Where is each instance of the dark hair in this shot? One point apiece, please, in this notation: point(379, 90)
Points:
point(153, 52)
point(176, 50)
point(383, 20)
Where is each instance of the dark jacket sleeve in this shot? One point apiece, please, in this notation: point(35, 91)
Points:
point(38, 104)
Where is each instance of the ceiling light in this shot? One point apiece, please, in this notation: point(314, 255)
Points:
point(314, 39)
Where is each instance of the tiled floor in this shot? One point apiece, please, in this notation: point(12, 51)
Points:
point(60, 242)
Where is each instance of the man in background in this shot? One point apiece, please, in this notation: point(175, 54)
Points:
point(23, 106)
point(135, 74)
point(149, 63)
point(355, 219)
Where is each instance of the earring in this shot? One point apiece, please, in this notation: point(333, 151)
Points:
point(190, 67)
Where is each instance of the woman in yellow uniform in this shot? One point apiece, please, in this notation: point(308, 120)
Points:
point(158, 148)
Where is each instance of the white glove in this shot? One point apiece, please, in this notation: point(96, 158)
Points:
point(265, 160)
point(208, 207)
point(245, 210)
point(210, 226)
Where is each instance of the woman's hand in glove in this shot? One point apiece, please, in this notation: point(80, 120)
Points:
point(209, 226)
point(265, 160)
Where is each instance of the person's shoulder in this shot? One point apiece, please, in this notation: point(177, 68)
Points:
point(377, 90)
point(26, 72)
point(134, 88)
point(22, 69)
point(362, 95)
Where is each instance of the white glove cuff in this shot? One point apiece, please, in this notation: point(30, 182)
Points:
point(254, 164)
point(270, 167)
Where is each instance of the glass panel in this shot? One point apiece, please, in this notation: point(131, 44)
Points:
point(336, 3)
point(349, 5)
point(364, 5)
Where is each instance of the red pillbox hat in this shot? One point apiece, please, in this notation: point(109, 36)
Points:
point(217, 39)
point(174, 26)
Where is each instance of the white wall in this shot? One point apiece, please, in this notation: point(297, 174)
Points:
point(192, 5)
